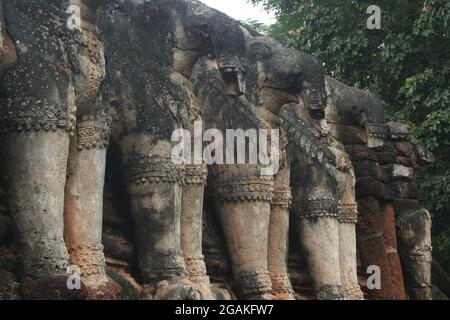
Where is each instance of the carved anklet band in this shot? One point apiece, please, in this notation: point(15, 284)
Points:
point(353, 293)
point(348, 213)
point(253, 283)
point(317, 208)
point(330, 292)
point(195, 266)
point(281, 284)
point(90, 259)
point(164, 267)
point(148, 169)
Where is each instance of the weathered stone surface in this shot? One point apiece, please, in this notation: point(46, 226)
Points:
point(360, 152)
point(156, 66)
point(367, 168)
point(5, 228)
point(404, 189)
point(369, 186)
point(384, 158)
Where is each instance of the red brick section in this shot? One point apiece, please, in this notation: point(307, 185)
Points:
point(393, 260)
point(376, 233)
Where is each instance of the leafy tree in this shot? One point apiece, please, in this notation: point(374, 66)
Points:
point(406, 63)
point(256, 25)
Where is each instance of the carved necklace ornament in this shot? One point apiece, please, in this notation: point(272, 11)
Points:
point(304, 138)
point(93, 71)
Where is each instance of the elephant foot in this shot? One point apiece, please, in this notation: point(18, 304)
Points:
point(330, 292)
point(196, 270)
point(180, 289)
point(50, 288)
point(420, 293)
point(263, 297)
point(204, 285)
point(255, 285)
point(281, 287)
point(100, 287)
point(353, 293)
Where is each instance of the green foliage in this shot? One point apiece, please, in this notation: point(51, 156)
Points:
point(12, 293)
point(406, 63)
point(256, 25)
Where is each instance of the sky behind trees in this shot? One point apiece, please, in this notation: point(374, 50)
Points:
point(241, 10)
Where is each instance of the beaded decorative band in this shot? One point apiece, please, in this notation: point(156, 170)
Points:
point(377, 130)
point(317, 208)
point(281, 198)
point(90, 259)
point(195, 174)
point(330, 292)
point(421, 253)
point(195, 266)
point(353, 293)
point(348, 213)
point(281, 284)
point(149, 169)
point(28, 114)
point(167, 266)
point(245, 188)
point(253, 283)
point(91, 134)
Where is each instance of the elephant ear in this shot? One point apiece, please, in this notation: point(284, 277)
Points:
point(260, 50)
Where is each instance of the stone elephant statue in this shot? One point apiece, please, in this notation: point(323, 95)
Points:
point(385, 155)
point(151, 97)
point(126, 76)
point(324, 207)
point(53, 148)
point(274, 76)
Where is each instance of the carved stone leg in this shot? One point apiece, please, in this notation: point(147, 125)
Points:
point(84, 207)
point(347, 251)
point(347, 233)
point(316, 210)
point(191, 227)
point(244, 210)
point(414, 240)
point(35, 166)
point(278, 237)
point(154, 185)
